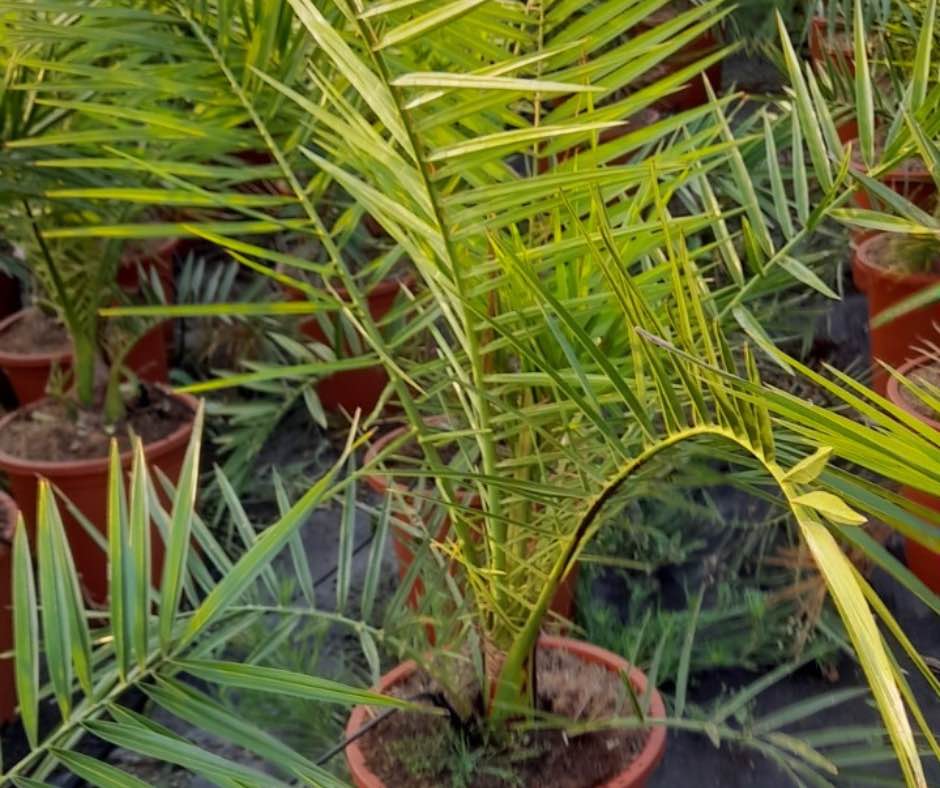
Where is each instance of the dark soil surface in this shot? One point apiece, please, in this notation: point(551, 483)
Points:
point(417, 751)
point(928, 374)
point(57, 430)
point(35, 332)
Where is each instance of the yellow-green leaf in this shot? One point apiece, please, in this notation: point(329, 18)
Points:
point(807, 470)
point(869, 646)
point(830, 506)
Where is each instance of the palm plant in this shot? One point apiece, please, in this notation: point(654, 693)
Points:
point(72, 280)
point(551, 292)
point(205, 602)
point(894, 99)
point(191, 628)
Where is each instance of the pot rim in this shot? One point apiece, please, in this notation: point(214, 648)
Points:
point(18, 360)
point(635, 773)
point(382, 483)
point(916, 176)
point(865, 259)
point(895, 395)
point(72, 468)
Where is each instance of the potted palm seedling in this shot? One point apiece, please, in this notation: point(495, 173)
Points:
point(567, 312)
point(548, 423)
point(914, 388)
point(528, 426)
point(892, 195)
point(885, 89)
point(158, 645)
point(64, 437)
point(896, 268)
point(35, 348)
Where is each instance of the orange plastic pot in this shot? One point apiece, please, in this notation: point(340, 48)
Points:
point(847, 130)
point(894, 342)
point(29, 373)
point(635, 775)
point(914, 183)
point(85, 484)
point(403, 540)
point(921, 560)
point(148, 359)
point(7, 688)
point(355, 388)
point(160, 261)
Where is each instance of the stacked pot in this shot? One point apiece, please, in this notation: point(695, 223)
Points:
point(29, 372)
point(900, 342)
point(83, 482)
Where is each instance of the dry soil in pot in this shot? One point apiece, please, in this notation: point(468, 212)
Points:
point(33, 333)
point(55, 431)
point(415, 750)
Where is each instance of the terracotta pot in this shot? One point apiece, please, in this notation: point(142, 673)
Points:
point(85, 484)
point(912, 182)
point(921, 560)
point(148, 359)
point(403, 540)
point(161, 260)
point(827, 51)
point(848, 130)
point(7, 684)
point(894, 342)
point(10, 300)
point(635, 775)
point(29, 374)
point(355, 388)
